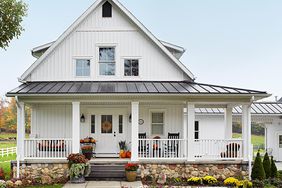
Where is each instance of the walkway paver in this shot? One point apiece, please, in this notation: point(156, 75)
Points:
point(105, 184)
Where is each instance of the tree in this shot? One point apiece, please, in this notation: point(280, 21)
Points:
point(11, 16)
point(257, 170)
point(266, 165)
point(273, 169)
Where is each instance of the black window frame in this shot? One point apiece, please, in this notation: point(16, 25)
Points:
point(197, 130)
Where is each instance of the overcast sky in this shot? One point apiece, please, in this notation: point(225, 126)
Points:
point(234, 43)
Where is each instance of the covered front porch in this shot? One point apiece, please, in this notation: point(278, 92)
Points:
point(156, 129)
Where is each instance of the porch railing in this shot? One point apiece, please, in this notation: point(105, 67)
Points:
point(47, 148)
point(161, 148)
point(213, 149)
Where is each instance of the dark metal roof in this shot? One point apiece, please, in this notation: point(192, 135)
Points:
point(134, 87)
point(271, 108)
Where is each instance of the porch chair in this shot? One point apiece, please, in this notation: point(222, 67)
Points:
point(232, 151)
point(172, 146)
point(143, 148)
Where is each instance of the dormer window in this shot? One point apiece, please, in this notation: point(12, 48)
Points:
point(107, 10)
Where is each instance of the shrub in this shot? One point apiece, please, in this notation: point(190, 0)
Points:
point(244, 184)
point(266, 165)
point(231, 181)
point(258, 183)
point(194, 181)
point(209, 180)
point(273, 169)
point(2, 174)
point(257, 170)
point(2, 184)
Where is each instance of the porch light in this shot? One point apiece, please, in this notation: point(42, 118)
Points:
point(82, 118)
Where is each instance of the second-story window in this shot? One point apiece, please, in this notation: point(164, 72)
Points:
point(107, 61)
point(82, 67)
point(131, 67)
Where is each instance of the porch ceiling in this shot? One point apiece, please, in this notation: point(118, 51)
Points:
point(70, 88)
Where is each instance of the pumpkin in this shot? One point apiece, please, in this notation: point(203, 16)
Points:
point(128, 154)
point(120, 153)
point(81, 140)
point(123, 154)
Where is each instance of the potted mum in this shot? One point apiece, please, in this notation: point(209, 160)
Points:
point(78, 168)
point(131, 171)
point(87, 151)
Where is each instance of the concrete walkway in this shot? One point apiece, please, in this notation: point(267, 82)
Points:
point(105, 184)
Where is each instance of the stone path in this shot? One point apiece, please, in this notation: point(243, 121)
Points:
point(106, 184)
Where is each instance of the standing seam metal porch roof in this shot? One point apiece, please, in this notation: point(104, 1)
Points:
point(129, 87)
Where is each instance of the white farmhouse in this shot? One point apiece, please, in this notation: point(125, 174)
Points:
point(109, 78)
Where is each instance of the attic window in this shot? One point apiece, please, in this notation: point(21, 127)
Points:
point(107, 10)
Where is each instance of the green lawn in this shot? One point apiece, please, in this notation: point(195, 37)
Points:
point(8, 144)
point(256, 140)
point(5, 163)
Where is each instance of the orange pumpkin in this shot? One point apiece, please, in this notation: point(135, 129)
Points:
point(120, 153)
point(128, 154)
point(123, 155)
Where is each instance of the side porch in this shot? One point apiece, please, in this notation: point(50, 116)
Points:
point(155, 131)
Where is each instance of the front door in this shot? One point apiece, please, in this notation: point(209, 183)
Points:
point(110, 129)
point(279, 147)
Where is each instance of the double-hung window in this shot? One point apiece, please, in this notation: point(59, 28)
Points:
point(131, 67)
point(82, 67)
point(107, 61)
point(197, 130)
point(157, 123)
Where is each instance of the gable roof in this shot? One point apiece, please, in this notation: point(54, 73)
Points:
point(280, 100)
point(130, 16)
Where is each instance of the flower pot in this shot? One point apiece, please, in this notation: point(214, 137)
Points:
point(131, 175)
point(80, 179)
point(87, 154)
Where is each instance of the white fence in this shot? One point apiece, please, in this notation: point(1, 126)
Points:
point(212, 149)
point(49, 148)
point(161, 148)
point(8, 151)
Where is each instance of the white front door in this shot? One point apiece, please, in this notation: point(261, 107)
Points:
point(108, 127)
point(279, 147)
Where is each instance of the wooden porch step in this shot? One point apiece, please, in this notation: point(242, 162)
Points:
point(107, 171)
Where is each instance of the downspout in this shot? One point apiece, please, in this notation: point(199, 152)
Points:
point(18, 156)
point(250, 156)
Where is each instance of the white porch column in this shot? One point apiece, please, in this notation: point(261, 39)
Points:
point(228, 121)
point(75, 127)
point(246, 131)
point(20, 130)
point(134, 130)
point(185, 132)
point(191, 131)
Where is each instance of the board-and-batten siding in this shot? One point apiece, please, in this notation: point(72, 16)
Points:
point(96, 31)
point(51, 121)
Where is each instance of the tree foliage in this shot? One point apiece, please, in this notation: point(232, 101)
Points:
point(266, 165)
point(273, 169)
point(257, 170)
point(8, 115)
point(11, 17)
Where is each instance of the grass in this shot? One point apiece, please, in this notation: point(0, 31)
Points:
point(5, 163)
point(256, 140)
point(8, 144)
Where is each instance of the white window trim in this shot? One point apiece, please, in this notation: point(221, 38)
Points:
point(150, 120)
point(84, 58)
point(107, 45)
point(139, 67)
